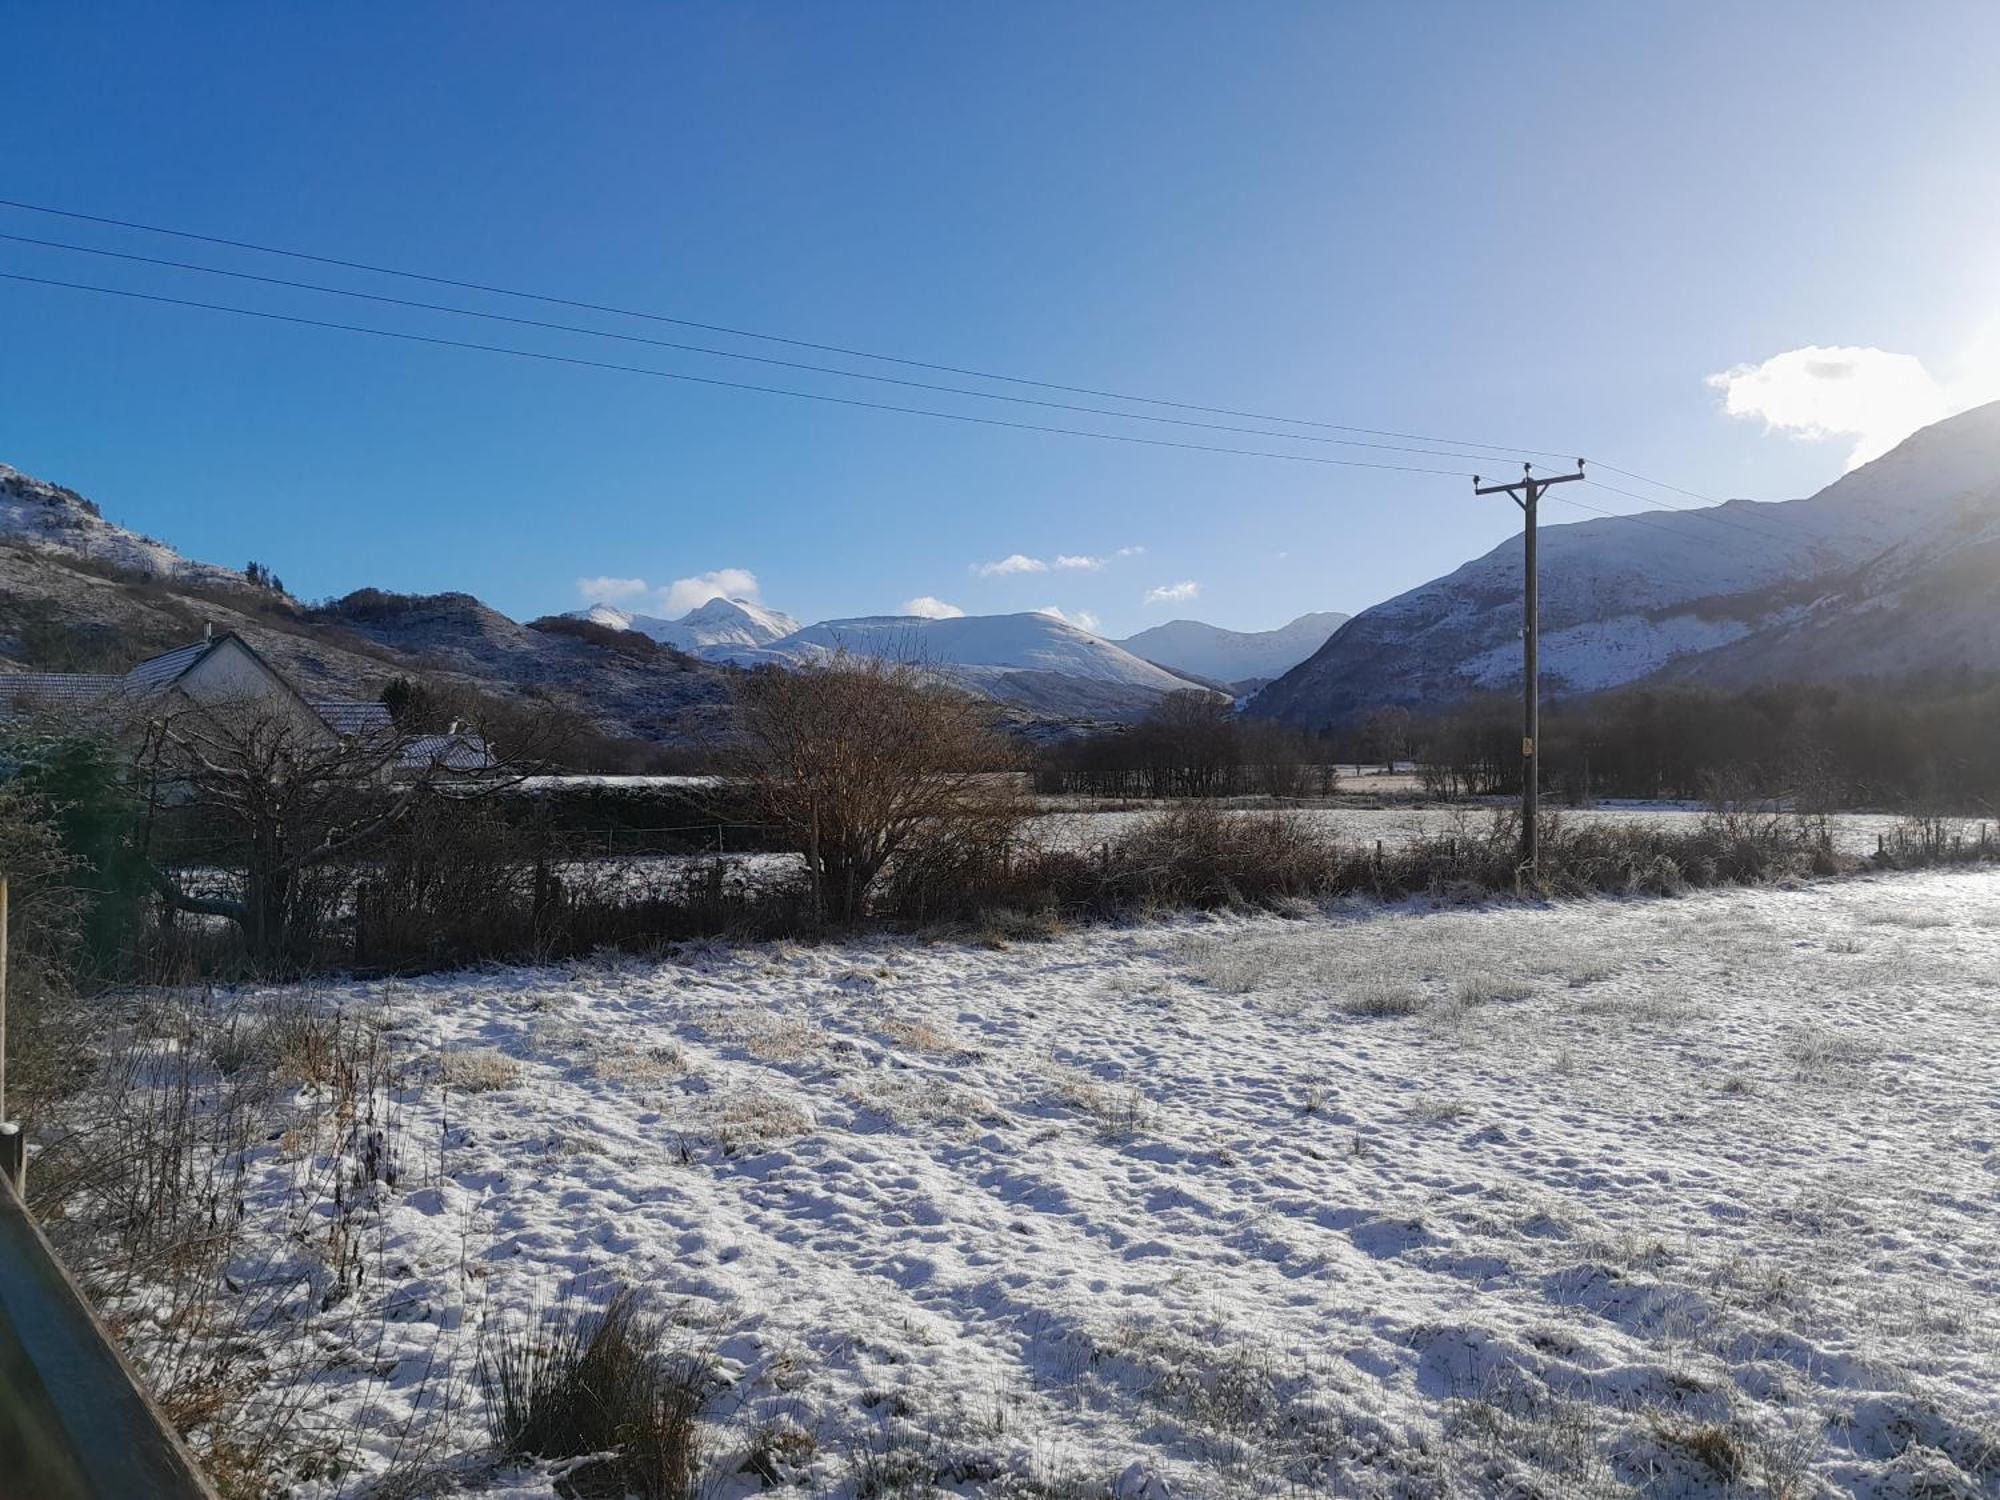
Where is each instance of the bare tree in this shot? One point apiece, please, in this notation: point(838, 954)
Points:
point(863, 760)
point(269, 792)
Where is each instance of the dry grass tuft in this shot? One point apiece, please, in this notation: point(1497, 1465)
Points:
point(636, 1067)
point(1382, 998)
point(754, 1117)
point(1711, 1444)
point(602, 1386)
point(477, 1070)
point(920, 1035)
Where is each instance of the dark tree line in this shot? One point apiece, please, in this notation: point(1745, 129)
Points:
point(1192, 745)
point(1931, 741)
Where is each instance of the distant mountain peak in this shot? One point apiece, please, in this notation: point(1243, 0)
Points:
point(720, 622)
point(1234, 656)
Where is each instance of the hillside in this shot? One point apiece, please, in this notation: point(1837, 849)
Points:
point(79, 594)
point(1886, 569)
point(50, 518)
point(1235, 657)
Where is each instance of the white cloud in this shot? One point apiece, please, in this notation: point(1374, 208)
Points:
point(1015, 562)
point(1870, 395)
point(932, 609)
point(684, 594)
point(609, 590)
point(1068, 562)
point(1173, 593)
point(1082, 619)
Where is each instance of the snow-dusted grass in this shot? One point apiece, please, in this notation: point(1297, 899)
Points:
point(1688, 1197)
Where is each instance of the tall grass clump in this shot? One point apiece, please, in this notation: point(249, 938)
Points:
point(580, 1383)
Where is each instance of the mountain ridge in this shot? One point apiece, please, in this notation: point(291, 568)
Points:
point(1219, 654)
point(1671, 594)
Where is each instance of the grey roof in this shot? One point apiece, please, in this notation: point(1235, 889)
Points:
point(158, 671)
point(447, 752)
point(57, 689)
point(351, 719)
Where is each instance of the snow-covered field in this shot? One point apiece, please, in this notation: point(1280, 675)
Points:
point(1683, 1197)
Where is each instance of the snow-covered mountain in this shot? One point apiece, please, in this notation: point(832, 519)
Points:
point(38, 514)
point(718, 624)
point(1234, 656)
point(1829, 586)
point(81, 594)
point(1032, 659)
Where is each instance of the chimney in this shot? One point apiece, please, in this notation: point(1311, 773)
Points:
point(208, 630)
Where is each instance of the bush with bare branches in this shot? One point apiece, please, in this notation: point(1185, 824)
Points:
point(867, 761)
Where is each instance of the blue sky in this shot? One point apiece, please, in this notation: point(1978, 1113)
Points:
point(1517, 224)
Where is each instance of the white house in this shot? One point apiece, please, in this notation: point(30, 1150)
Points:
point(225, 671)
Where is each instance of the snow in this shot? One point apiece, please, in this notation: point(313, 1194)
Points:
point(1601, 653)
point(1377, 1200)
point(976, 648)
point(718, 625)
point(36, 513)
point(537, 786)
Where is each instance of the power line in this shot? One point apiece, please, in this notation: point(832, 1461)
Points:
point(612, 310)
point(761, 359)
point(1660, 483)
point(849, 401)
point(710, 380)
point(1681, 510)
point(746, 333)
point(556, 300)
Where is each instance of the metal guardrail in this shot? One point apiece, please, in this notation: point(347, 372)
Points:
point(75, 1423)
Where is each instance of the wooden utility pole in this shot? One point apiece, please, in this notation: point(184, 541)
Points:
point(1524, 492)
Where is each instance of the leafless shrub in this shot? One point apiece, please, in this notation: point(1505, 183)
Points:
point(867, 762)
point(140, 1184)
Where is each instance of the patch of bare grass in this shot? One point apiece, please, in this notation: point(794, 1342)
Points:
point(477, 1070)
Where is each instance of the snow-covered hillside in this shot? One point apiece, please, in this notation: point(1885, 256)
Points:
point(35, 513)
point(1234, 656)
point(1035, 660)
point(718, 624)
point(979, 646)
point(1626, 597)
